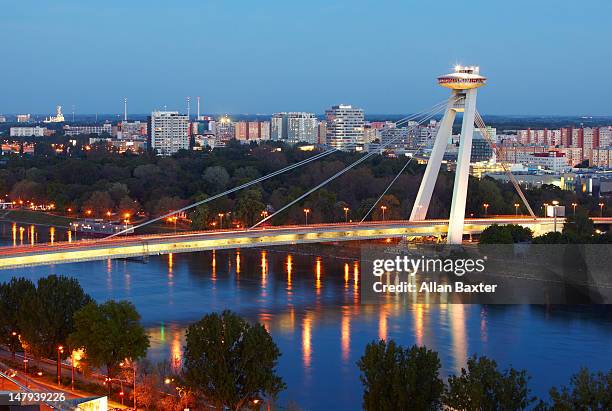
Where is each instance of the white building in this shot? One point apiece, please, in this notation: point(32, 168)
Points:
point(169, 132)
point(345, 125)
point(294, 127)
point(553, 160)
point(70, 130)
point(28, 131)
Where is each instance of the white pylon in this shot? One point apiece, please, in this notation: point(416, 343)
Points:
point(463, 83)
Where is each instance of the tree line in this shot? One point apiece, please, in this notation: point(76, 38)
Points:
point(102, 181)
point(577, 229)
point(396, 379)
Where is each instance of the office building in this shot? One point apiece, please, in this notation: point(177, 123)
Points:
point(2, 119)
point(345, 126)
point(169, 132)
point(23, 118)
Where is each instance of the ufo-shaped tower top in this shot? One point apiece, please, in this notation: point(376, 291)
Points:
point(463, 78)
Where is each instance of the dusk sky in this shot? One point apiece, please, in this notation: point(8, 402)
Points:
point(541, 57)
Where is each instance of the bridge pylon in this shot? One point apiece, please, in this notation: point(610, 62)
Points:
point(463, 83)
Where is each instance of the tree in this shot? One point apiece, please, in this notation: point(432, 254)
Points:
point(231, 361)
point(46, 319)
point(496, 234)
point(217, 178)
point(579, 228)
point(249, 206)
point(587, 391)
point(12, 296)
point(400, 379)
point(109, 333)
point(483, 387)
point(99, 202)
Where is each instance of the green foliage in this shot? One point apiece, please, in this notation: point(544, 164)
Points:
point(579, 228)
point(400, 379)
point(249, 206)
point(483, 387)
point(587, 392)
point(46, 319)
point(109, 333)
point(496, 234)
point(12, 296)
point(506, 234)
point(230, 361)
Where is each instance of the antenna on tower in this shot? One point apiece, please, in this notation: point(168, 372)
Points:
point(188, 107)
point(125, 109)
point(198, 108)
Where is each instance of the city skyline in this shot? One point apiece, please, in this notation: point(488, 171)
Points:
point(271, 61)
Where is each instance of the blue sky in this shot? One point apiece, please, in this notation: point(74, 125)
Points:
point(541, 57)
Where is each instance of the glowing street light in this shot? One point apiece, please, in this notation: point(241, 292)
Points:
point(60, 350)
point(306, 211)
point(383, 208)
point(601, 206)
point(346, 210)
point(516, 207)
point(486, 208)
point(555, 204)
point(574, 206)
point(545, 205)
point(221, 219)
point(88, 212)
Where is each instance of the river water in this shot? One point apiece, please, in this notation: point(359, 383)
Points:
point(309, 301)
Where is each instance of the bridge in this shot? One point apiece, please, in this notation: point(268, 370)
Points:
point(463, 83)
point(156, 244)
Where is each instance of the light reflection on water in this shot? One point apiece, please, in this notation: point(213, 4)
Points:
point(310, 304)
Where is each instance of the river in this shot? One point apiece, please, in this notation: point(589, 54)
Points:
point(309, 301)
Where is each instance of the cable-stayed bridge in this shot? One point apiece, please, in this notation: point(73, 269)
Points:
point(156, 244)
point(463, 84)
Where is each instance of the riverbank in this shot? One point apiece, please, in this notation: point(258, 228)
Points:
point(35, 217)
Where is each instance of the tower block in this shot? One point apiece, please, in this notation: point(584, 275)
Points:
point(463, 83)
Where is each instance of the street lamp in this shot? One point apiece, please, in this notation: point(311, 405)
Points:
point(516, 207)
point(545, 205)
point(346, 210)
point(383, 208)
point(574, 206)
point(555, 204)
point(60, 350)
point(306, 211)
point(220, 219)
point(601, 206)
point(486, 208)
point(108, 214)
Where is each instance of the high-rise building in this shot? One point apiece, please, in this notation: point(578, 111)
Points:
point(2, 119)
point(224, 130)
point(345, 126)
point(294, 127)
point(605, 137)
point(322, 133)
point(252, 130)
point(169, 132)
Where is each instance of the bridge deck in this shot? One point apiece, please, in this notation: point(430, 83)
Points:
point(154, 244)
